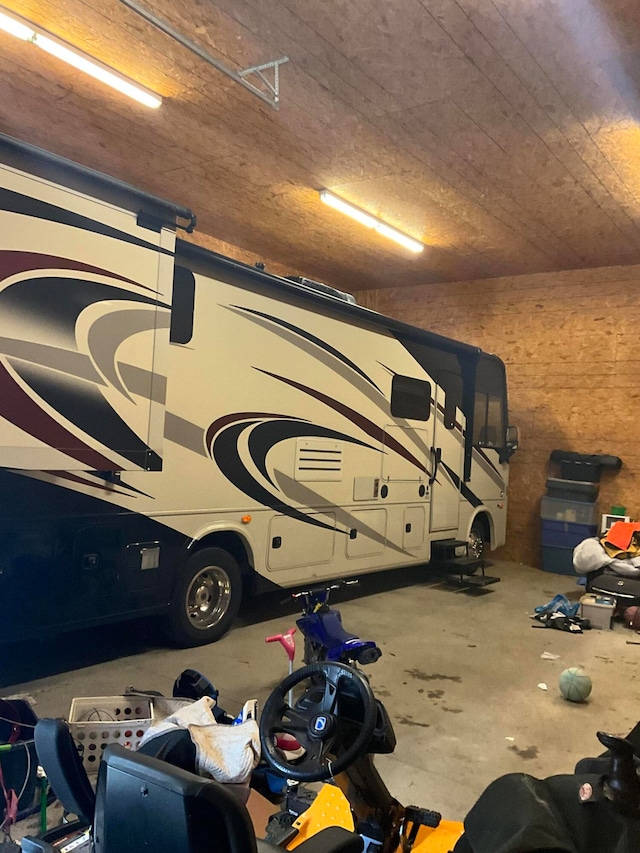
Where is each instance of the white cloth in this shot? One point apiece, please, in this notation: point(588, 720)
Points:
point(225, 753)
point(626, 568)
point(589, 556)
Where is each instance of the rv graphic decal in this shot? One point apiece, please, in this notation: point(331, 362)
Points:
point(313, 339)
point(465, 491)
point(49, 364)
point(333, 359)
point(263, 436)
point(88, 480)
point(487, 466)
point(367, 426)
point(27, 206)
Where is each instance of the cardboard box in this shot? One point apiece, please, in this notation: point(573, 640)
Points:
point(598, 609)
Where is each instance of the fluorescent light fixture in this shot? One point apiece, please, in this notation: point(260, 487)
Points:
point(16, 26)
point(370, 221)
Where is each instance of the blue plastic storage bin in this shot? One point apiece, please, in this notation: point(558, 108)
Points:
point(566, 534)
point(558, 560)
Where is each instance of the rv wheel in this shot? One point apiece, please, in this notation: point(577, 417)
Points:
point(206, 598)
point(477, 545)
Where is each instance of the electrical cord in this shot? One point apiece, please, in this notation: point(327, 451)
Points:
point(26, 778)
point(26, 744)
point(89, 717)
point(18, 723)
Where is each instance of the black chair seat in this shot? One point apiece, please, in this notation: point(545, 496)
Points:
point(143, 803)
point(58, 755)
point(146, 804)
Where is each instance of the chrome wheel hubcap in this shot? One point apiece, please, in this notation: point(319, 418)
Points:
point(208, 597)
point(476, 544)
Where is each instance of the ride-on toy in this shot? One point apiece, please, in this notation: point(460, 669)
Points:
point(325, 637)
point(340, 725)
point(143, 803)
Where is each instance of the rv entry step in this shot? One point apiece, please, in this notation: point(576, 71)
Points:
point(464, 571)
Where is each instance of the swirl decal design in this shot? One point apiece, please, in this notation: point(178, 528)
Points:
point(48, 368)
point(313, 339)
point(367, 426)
point(262, 433)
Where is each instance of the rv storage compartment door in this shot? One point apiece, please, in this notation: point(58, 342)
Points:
point(85, 296)
point(294, 542)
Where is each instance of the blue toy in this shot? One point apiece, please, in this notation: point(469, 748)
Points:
point(325, 638)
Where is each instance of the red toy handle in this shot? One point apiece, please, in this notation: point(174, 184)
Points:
point(286, 641)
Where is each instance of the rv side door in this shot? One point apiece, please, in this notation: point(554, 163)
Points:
point(448, 444)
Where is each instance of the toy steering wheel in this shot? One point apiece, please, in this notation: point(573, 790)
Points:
point(333, 721)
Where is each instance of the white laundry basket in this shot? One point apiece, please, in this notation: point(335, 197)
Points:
point(97, 721)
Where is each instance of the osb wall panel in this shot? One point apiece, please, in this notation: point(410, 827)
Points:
point(571, 344)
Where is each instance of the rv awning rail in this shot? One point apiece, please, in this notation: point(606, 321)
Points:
point(51, 167)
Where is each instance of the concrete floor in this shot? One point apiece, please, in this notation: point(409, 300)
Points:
point(459, 676)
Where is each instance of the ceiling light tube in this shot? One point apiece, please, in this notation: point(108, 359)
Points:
point(15, 28)
point(370, 221)
point(22, 29)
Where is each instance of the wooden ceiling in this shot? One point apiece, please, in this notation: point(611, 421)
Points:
point(502, 133)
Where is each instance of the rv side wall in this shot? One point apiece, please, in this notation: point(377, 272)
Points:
point(157, 451)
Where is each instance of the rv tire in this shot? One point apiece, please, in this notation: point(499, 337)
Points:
point(477, 539)
point(206, 598)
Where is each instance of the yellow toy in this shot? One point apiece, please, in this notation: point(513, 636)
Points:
point(340, 725)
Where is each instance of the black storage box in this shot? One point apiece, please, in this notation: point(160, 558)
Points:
point(572, 490)
point(557, 560)
point(582, 466)
point(626, 591)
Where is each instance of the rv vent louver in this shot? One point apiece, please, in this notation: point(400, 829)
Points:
point(318, 459)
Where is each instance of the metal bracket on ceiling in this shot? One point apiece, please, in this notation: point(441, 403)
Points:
point(271, 96)
point(273, 88)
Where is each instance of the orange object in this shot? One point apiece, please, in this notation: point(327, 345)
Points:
point(621, 534)
point(331, 808)
point(246, 519)
point(442, 839)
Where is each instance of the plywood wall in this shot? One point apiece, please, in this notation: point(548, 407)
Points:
point(571, 343)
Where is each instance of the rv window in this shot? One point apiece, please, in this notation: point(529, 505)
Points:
point(489, 425)
point(184, 291)
point(410, 398)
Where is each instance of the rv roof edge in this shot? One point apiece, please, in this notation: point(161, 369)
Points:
point(204, 260)
point(36, 161)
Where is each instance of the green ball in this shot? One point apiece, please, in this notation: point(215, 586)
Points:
point(575, 685)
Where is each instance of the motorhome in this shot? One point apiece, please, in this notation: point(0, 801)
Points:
point(177, 427)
